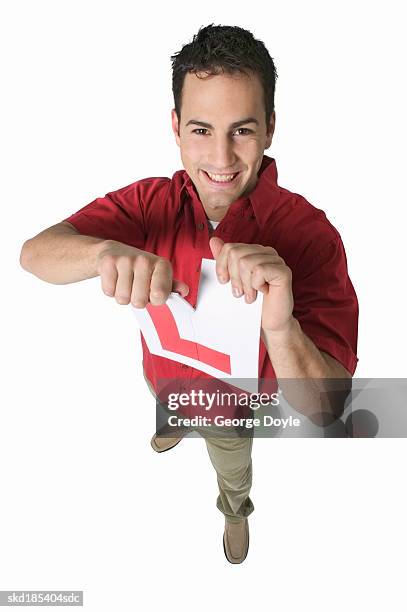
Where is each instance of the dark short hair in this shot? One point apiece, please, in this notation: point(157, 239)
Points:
point(227, 49)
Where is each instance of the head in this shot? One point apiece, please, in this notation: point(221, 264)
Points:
point(223, 84)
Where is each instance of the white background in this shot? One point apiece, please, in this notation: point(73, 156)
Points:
point(85, 502)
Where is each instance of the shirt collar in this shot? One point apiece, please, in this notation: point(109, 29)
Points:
point(263, 197)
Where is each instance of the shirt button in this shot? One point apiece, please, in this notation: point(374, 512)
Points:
point(200, 226)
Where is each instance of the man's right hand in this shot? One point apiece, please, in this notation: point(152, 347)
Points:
point(131, 275)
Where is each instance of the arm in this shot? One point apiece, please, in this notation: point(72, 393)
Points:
point(313, 382)
point(295, 360)
point(61, 255)
point(294, 355)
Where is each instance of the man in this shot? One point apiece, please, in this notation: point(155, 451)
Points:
point(148, 239)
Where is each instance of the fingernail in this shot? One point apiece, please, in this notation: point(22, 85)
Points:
point(237, 292)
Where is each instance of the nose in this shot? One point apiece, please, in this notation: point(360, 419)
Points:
point(222, 157)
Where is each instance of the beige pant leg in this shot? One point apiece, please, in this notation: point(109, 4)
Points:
point(232, 460)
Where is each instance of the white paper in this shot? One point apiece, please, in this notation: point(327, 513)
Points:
point(220, 322)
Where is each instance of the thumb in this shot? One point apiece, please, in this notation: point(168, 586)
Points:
point(180, 287)
point(216, 245)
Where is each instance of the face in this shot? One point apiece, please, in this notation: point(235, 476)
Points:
point(222, 132)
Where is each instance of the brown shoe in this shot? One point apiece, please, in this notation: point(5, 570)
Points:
point(161, 444)
point(236, 540)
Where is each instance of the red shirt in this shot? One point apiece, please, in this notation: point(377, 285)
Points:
point(165, 216)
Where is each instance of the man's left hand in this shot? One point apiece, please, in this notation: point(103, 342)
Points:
point(252, 268)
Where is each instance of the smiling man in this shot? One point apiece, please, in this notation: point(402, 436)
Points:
point(149, 237)
point(222, 155)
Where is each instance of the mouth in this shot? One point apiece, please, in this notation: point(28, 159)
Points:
point(221, 180)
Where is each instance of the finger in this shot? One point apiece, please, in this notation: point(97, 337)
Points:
point(274, 274)
point(235, 253)
point(124, 281)
point(234, 270)
point(180, 287)
point(216, 245)
point(227, 265)
point(161, 282)
point(222, 269)
point(108, 275)
point(142, 271)
point(246, 266)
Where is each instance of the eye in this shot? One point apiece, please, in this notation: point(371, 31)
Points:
point(199, 130)
point(247, 131)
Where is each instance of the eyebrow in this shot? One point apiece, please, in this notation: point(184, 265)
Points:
point(232, 125)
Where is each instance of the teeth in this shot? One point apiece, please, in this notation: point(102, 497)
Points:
point(221, 178)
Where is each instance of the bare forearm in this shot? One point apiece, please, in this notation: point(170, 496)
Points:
point(310, 383)
point(294, 355)
point(60, 256)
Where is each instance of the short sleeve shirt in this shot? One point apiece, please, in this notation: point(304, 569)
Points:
point(165, 216)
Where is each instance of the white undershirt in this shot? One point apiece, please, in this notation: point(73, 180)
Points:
point(214, 224)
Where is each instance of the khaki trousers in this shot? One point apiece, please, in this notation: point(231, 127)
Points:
point(232, 459)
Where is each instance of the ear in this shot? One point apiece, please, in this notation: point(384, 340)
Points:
point(175, 125)
point(270, 129)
